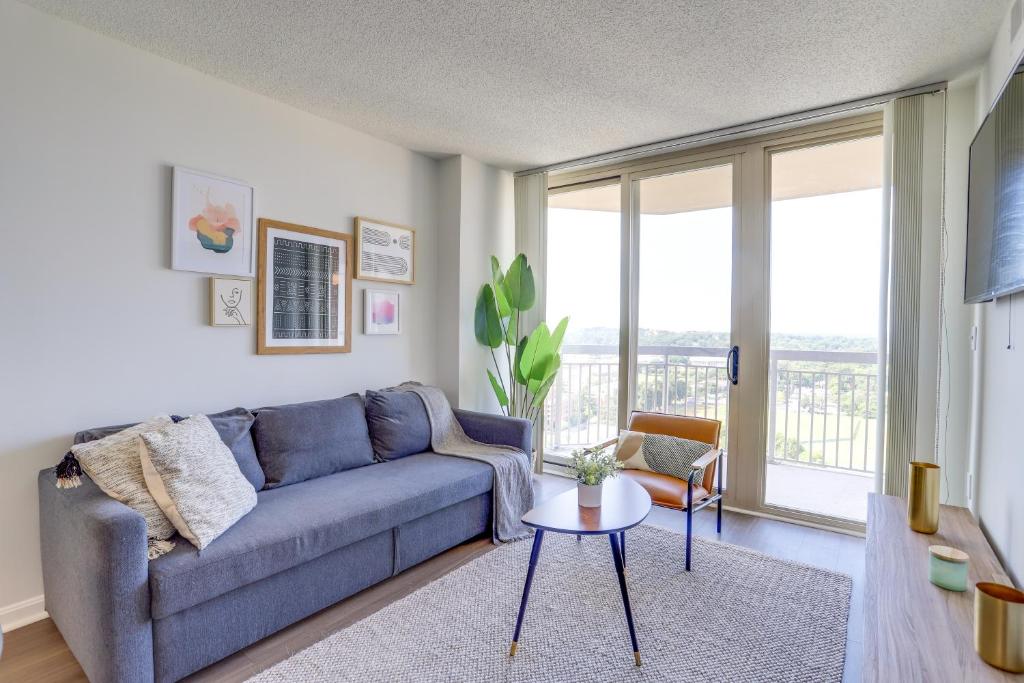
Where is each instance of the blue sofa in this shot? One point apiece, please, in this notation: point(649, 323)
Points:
point(304, 547)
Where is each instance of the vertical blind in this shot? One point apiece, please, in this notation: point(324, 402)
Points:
point(916, 187)
point(531, 205)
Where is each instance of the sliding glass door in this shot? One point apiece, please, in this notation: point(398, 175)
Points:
point(583, 282)
point(826, 256)
point(684, 259)
point(739, 283)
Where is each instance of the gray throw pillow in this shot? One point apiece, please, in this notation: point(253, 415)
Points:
point(308, 440)
point(194, 479)
point(398, 424)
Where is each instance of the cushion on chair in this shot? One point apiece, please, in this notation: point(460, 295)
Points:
point(308, 440)
point(294, 524)
point(669, 455)
point(685, 427)
point(665, 490)
point(398, 424)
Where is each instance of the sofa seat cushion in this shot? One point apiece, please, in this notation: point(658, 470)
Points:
point(295, 524)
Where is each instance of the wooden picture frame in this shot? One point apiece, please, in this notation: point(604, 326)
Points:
point(278, 288)
point(380, 250)
point(233, 307)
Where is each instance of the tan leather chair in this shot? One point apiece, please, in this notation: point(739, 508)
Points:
point(682, 494)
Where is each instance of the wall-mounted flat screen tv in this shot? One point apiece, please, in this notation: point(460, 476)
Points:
point(995, 208)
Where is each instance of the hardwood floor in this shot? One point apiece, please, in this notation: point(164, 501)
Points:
point(37, 652)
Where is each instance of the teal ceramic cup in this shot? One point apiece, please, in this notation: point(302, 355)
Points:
point(947, 567)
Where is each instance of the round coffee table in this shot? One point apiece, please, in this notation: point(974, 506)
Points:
point(624, 504)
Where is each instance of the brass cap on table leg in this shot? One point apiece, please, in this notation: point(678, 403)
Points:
point(512, 650)
point(636, 656)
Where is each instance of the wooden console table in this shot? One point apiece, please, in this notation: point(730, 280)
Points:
point(914, 630)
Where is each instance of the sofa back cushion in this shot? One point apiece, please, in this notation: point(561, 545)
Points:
point(234, 428)
point(307, 440)
point(398, 424)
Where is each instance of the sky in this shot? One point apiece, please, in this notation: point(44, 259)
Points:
point(826, 255)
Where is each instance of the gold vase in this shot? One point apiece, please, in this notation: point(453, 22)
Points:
point(923, 498)
point(999, 626)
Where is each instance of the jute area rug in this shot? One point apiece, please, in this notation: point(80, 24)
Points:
point(738, 616)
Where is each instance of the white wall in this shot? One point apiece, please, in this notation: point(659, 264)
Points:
point(477, 220)
point(1003, 58)
point(488, 227)
point(96, 328)
point(449, 223)
point(953, 405)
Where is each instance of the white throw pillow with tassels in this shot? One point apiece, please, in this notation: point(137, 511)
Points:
point(195, 479)
point(113, 464)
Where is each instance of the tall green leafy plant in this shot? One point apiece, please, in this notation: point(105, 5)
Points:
point(532, 359)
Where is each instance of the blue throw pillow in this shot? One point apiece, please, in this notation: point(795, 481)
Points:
point(398, 424)
point(234, 428)
point(308, 440)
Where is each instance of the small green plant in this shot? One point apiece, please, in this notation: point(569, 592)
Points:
point(594, 465)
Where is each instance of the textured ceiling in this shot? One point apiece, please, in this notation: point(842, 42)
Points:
point(523, 83)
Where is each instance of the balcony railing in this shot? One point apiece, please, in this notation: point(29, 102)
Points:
point(823, 410)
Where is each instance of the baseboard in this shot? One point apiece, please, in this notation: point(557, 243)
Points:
point(22, 613)
point(794, 520)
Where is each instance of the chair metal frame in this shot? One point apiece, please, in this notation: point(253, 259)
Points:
point(716, 457)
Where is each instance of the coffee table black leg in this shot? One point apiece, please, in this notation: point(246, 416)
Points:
point(620, 569)
point(534, 554)
point(622, 546)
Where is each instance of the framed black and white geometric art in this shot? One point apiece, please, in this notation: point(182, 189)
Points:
point(304, 294)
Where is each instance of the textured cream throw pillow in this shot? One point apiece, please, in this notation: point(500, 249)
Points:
point(113, 464)
point(194, 478)
point(630, 450)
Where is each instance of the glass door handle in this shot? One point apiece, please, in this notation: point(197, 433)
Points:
point(732, 365)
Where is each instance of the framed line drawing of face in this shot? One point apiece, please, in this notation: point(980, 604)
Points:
point(382, 312)
point(385, 252)
point(212, 224)
point(230, 301)
point(304, 293)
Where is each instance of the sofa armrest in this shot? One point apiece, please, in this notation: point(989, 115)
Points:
point(497, 430)
point(96, 579)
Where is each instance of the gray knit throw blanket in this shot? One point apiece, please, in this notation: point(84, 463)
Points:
point(513, 481)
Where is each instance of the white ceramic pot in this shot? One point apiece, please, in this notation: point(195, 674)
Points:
point(590, 496)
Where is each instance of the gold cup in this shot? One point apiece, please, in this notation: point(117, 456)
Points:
point(923, 498)
point(999, 626)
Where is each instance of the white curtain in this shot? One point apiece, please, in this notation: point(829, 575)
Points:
point(915, 135)
point(531, 223)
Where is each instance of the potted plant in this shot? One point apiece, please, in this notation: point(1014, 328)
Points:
point(593, 466)
point(531, 361)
